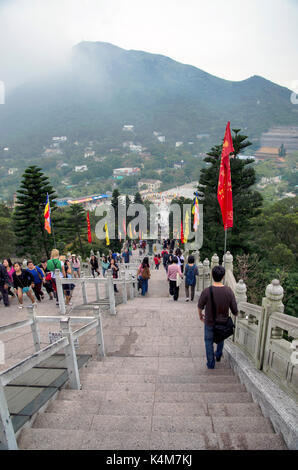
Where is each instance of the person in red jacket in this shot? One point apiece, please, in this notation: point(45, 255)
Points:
point(156, 261)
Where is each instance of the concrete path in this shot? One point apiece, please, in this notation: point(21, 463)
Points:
point(153, 390)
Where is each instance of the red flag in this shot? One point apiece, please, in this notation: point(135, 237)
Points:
point(89, 229)
point(182, 235)
point(224, 190)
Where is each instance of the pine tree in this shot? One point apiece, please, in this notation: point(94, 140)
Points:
point(115, 244)
point(31, 238)
point(246, 201)
point(7, 247)
point(76, 228)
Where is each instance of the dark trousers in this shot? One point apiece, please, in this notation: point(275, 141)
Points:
point(174, 290)
point(192, 289)
point(37, 291)
point(208, 337)
point(4, 293)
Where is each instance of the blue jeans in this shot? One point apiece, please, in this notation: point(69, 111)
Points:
point(208, 337)
point(144, 286)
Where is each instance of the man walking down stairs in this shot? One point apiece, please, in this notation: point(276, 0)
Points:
point(153, 389)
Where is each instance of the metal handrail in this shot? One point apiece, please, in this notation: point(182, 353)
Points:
point(67, 342)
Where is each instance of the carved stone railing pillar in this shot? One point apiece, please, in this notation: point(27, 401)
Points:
point(271, 303)
point(196, 255)
point(241, 291)
point(229, 279)
point(228, 261)
point(200, 280)
point(214, 262)
point(206, 270)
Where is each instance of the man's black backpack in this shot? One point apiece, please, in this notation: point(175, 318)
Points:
point(221, 331)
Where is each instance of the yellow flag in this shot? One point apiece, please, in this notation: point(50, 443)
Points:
point(186, 230)
point(130, 232)
point(107, 235)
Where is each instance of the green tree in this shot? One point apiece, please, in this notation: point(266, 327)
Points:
point(75, 228)
point(246, 201)
point(275, 233)
point(31, 238)
point(7, 246)
point(115, 244)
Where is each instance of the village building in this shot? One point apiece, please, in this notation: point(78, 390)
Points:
point(150, 184)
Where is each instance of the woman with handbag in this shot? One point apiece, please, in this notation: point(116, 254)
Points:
point(174, 278)
point(144, 275)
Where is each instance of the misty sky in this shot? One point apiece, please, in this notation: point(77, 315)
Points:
point(232, 39)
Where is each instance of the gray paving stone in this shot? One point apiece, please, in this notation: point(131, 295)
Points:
point(71, 406)
point(127, 424)
point(96, 440)
point(120, 396)
point(69, 421)
point(119, 378)
point(183, 441)
point(234, 409)
point(50, 439)
point(180, 409)
point(181, 424)
point(250, 441)
point(243, 424)
point(127, 408)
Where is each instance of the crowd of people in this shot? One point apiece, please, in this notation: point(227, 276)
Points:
point(37, 280)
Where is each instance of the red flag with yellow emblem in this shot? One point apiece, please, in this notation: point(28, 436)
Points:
point(224, 190)
point(89, 228)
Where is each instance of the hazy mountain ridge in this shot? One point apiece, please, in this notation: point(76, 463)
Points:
point(104, 87)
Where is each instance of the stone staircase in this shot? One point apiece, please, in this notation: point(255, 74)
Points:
point(126, 404)
point(156, 392)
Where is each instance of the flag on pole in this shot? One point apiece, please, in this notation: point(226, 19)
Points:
point(124, 227)
point(130, 232)
point(224, 190)
point(47, 216)
point(181, 235)
point(89, 228)
point(196, 213)
point(107, 235)
point(186, 227)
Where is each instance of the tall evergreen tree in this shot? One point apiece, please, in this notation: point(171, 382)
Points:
point(115, 243)
point(31, 238)
point(76, 228)
point(7, 246)
point(246, 201)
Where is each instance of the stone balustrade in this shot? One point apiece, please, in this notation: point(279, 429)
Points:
point(267, 336)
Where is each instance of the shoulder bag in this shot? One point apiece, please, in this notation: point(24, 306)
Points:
point(221, 331)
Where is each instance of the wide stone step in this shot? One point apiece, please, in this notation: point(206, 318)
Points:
point(95, 383)
point(65, 439)
point(201, 424)
point(106, 423)
point(234, 409)
point(150, 383)
point(205, 397)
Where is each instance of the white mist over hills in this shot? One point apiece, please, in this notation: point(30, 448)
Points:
point(223, 38)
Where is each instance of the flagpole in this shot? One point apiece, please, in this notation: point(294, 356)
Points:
point(225, 246)
point(52, 225)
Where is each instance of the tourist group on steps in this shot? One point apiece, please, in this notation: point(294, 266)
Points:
point(37, 280)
